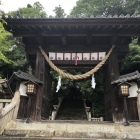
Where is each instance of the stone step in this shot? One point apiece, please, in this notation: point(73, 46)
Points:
point(72, 109)
point(58, 138)
point(71, 130)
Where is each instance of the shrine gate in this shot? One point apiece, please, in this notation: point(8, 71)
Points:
point(78, 37)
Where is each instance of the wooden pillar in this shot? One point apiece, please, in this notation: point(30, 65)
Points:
point(36, 104)
point(112, 98)
point(107, 97)
point(138, 99)
point(46, 102)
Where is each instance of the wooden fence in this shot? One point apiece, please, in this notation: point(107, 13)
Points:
point(9, 112)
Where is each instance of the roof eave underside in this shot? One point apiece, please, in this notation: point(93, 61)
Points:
point(94, 26)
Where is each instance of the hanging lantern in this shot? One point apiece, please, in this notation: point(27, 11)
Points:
point(31, 88)
point(124, 89)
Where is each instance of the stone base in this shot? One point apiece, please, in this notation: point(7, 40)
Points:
point(70, 130)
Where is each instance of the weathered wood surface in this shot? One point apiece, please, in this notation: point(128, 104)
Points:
point(112, 99)
point(36, 102)
point(107, 97)
point(22, 112)
point(132, 109)
point(97, 26)
point(138, 103)
point(4, 102)
point(9, 112)
point(46, 103)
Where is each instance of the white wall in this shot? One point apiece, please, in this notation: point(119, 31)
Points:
point(133, 90)
point(22, 89)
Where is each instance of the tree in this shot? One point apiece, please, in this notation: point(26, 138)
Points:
point(37, 5)
point(59, 12)
point(4, 45)
point(132, 60)
point(106, 7)
point(12, 53)
point(35, 10)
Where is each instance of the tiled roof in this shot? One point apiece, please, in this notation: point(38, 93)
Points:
point(127, 77)
point(26, 76)
point(78, 16)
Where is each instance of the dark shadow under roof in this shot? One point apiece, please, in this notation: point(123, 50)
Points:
point(127, 77)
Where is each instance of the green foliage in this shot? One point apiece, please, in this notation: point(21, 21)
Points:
point(35, 10)
point(106, 7)
point(12, 53)
point(132, 60)
point(59, 12)
point(4, 45)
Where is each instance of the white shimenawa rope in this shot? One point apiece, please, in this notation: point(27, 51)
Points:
point(58, 84)
point(93, 84)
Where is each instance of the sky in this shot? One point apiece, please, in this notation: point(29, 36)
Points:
point(49, 5)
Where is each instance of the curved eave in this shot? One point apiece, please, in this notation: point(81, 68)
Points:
point(73, 26)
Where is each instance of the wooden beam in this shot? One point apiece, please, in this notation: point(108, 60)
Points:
point(76, 48)
point(87, 21)
point(64, 41)
point(105, 27)
point(89, 39)
point(28, 33)
point(5, 100)
point(48, 27)
point(113, 40)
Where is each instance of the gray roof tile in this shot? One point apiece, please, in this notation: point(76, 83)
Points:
point(26, 76)
point(127, 77)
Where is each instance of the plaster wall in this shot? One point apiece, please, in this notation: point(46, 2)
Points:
point(22, 89)
point(133, 90)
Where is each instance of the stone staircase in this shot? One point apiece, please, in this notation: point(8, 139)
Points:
point(75, 130)
point(72, 109)
point(12, 129)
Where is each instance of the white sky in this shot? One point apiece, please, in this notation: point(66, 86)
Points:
point(49, 5)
